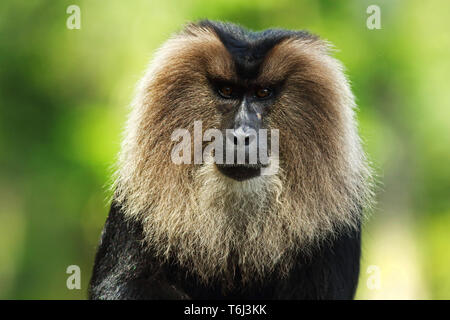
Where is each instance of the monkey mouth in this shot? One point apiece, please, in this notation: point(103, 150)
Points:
point(240, 172)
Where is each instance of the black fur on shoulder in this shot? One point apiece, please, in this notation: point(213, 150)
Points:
point(126, 269)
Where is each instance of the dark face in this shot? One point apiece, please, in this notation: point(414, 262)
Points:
point(243, 108)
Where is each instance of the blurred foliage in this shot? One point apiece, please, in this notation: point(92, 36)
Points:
point(64, 96)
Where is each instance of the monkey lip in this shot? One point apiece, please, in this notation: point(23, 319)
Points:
point(240, 172)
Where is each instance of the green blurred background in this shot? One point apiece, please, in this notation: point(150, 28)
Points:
point(64, 96)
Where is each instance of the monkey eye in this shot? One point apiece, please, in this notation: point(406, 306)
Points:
point(226, 91)
point(263, 93)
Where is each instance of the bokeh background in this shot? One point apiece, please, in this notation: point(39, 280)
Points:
point(64, 96)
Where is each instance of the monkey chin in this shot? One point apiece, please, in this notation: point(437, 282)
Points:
point(240, 172)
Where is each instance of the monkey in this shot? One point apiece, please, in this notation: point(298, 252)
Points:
point(218, 231)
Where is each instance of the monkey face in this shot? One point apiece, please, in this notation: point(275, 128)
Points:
point(243, 112)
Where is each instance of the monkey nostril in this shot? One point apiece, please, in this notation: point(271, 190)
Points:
point(247, 140)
